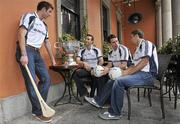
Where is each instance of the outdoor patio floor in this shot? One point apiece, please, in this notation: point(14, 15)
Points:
point(87, 114)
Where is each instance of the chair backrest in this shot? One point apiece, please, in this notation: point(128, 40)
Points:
point(163, 61)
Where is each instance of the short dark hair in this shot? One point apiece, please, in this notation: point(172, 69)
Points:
point(45, 4)
point(111, 36)
point(138, 32)
point(90, 35)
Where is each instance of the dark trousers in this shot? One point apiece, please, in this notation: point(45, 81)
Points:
point(105, 93)
point(99, 83)
point(80, 77)
point(37, 68)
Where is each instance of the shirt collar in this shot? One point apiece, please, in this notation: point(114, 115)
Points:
point(91, 47)
point(35, 13)
point(117, 48)
point(140, 43)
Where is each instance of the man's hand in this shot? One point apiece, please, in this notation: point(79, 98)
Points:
point(24, 60)
point(125, 72)
point(86, 66)
point(106, 70)
point(53, 62)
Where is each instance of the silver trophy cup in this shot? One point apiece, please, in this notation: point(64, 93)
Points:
point(71, 48)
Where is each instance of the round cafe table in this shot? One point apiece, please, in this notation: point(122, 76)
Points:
point(67, 72)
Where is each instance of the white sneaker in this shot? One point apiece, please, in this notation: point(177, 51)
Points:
point(91, 101)
point(108, 116)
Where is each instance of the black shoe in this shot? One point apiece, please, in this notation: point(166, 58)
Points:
point(81, 99)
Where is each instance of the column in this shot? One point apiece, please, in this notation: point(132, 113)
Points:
point(166, 20)
point(158, 23)
point(59, 27)
point(83, 11)
point(176, 16)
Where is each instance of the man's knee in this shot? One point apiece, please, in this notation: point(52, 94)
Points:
point(118, 83)
point(46, 79)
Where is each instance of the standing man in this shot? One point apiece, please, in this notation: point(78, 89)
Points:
point(88, 58)
point(32, 33)
point(120, 57)
point(141, 73)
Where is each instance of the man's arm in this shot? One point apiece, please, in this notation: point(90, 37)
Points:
point(79, 62)
point(106, 68)
point(83, 64)
point(123, 65)
point(49, 50)
point(100, 61)
point(21, 38)
point(132, 69)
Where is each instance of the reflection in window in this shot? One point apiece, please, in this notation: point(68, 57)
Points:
point(118, 31)
point(105, 22)
point(70, 17)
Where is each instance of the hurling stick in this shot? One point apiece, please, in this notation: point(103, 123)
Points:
point(46, 110)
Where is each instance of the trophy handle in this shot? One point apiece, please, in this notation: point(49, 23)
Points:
point(57, 45)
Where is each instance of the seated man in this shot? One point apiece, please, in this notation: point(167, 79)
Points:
point(87, 58)
point(119, 56)
point(141, 73)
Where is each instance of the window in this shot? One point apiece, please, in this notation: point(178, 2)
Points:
point(118, 31)
point(105, 22)
point(70, 17)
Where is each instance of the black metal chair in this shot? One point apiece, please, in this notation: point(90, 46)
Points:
point(176, 78)
point(87, 81)
point(158, 85)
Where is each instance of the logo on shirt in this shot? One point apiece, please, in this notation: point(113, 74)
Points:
point(37, 30)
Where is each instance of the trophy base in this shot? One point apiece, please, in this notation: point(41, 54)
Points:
point(72, 63)
point(70, 60)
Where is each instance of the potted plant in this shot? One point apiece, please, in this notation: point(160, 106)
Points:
point(106, 50)
point(176, 53)
point(166, 50)
point(171, 50)
point(60, 52)
point(172, 46)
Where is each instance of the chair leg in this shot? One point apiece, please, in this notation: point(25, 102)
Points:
point(171, 86)
point(175, 95)
point(162, 103)
point(138, 94)
point(144, 92)
point(169, 92)
point(149, 97)
point(129, 103)
point(77, 94)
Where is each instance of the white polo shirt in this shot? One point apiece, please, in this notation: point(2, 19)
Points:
point(36, 30)
point(90, 56)
point(118, 55)
point(147, 49)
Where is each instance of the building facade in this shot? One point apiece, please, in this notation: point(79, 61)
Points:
point(103, 17)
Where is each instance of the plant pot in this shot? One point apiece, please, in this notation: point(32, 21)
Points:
point(164, 60)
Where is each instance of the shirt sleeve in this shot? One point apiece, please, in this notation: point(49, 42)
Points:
point(79, 53)
point(99, 53)
point(125, 53)
point(47, 35)
point(109, 58)
point(146, 49)
point(24, 22)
